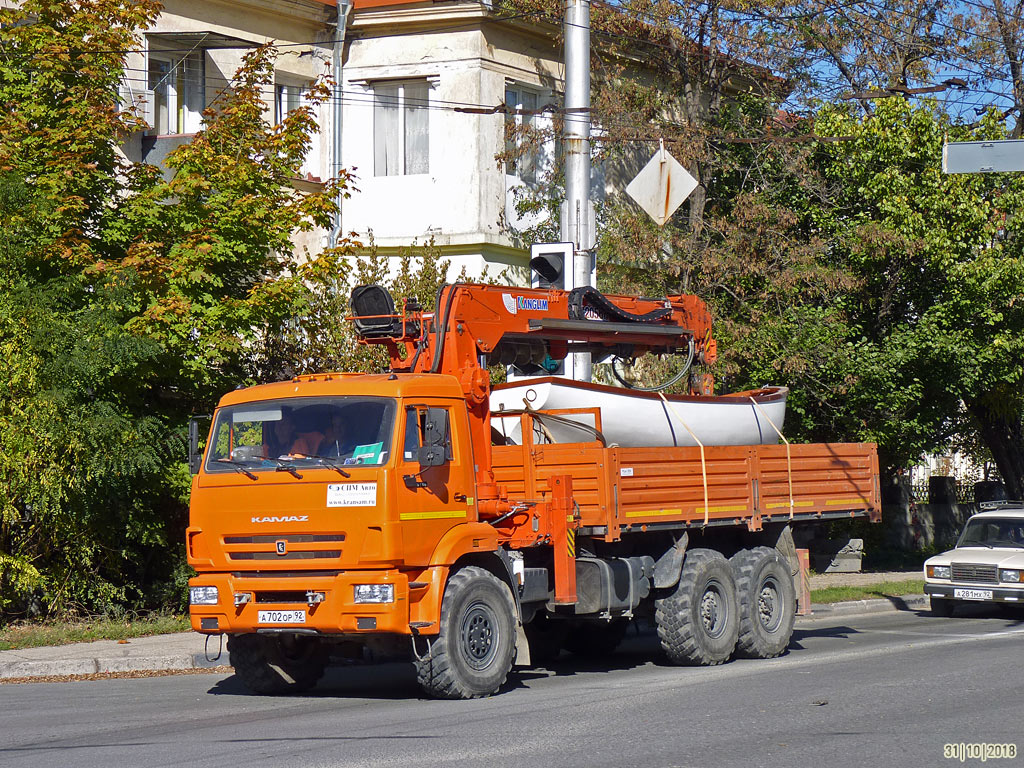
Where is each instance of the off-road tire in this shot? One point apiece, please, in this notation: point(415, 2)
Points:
point(767, 600)
point(941, 606)
point(546, 637)
point(276, 664)
point(698, 624)
point(473, 653)
point(595, 640)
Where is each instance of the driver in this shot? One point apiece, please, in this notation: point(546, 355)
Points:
point(335, 441)
point(284, 440)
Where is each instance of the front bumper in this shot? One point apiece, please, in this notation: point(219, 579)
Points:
point(337, 613)
point(1000, 593)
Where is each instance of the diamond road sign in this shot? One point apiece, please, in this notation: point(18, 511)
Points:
point(661, 187)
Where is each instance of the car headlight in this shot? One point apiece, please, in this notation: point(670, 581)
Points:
point(1010, 574)
point(203, 596)
point(375, 593)
point(937, 571)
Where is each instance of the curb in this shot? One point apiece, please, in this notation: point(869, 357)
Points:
point(875, 605)
point(92, 666)
point(69, 667)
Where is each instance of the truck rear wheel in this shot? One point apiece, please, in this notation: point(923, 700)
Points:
point(698, 624)
point(474, 651)
point(277, 663)
point(767, 600)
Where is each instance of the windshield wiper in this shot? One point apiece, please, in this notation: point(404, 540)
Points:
point(239, 467)
point(325, 461)
point(283, 467)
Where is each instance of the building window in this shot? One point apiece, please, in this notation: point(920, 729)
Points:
point(179, 94)
point(401, 145)
point(287, 98)
point(529, 148)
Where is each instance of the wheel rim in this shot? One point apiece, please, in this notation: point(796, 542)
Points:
point(714, 611)
point(769, 604)
point(479, 635)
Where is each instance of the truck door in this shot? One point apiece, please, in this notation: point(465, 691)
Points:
point(432, 499)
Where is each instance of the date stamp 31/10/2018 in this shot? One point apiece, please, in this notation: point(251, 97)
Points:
point(981, 751)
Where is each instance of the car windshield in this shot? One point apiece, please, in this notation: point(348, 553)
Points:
point(301, 432)
point(993, 532)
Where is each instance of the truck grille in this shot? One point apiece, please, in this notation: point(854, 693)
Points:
point(973, 572)
point(291, 538)
point(299, 554)
point(295, 545)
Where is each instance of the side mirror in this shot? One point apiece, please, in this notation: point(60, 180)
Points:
point(195, 456)
point(433, 452)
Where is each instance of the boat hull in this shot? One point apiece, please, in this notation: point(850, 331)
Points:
point(637, 419)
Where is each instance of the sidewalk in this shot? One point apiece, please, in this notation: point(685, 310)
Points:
point(179, 651)
point(189, 651)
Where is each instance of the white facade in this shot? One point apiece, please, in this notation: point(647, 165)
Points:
point(464, 63)
point(424, 168)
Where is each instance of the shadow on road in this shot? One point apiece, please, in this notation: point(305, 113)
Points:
point(384, 680)
point(1014, 614)
point(842, 632)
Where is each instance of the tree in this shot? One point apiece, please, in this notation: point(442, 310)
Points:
point(940, 262)
point(128, 302)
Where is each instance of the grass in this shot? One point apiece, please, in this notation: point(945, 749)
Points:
point(867, 592)
point(33, 634)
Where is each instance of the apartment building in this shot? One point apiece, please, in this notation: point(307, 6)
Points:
point(420, 85)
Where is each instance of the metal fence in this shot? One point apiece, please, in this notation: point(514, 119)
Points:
point(964, 492)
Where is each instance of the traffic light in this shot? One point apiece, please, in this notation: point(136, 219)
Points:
point(551, 265)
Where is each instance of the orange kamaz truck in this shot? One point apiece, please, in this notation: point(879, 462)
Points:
point(424, 511)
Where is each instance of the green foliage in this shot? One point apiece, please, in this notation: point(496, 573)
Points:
point(129, 302)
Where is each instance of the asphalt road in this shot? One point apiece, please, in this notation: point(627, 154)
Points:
point(879, 690)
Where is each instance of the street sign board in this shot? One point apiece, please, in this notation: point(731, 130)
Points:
point(983, 156)
point(661, 187)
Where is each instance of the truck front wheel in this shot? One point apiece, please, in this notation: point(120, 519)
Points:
point(767, 599)
point(277, 663)
point(474, 651)
point(698, 624)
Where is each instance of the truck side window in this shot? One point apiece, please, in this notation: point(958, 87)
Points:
point(415, 424)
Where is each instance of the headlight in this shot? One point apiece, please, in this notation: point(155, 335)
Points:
point(1010, 574)
point(375, 593)
point(203, 596)
point(937, 571)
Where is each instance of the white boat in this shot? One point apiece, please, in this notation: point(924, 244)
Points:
point(633, 418)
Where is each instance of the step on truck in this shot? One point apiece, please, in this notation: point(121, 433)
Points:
point(349, 515)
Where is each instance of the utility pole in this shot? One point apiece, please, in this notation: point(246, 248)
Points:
point(577, 221)
point(344, 6)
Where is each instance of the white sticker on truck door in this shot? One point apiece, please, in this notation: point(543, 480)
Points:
point(352, 495)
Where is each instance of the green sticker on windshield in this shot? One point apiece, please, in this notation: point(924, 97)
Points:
point(367, 454)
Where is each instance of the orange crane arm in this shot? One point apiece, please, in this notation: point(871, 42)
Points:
point(475, 326)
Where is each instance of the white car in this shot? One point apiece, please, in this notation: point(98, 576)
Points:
point(987, 564)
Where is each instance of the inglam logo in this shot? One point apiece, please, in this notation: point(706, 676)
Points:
point(526, 303)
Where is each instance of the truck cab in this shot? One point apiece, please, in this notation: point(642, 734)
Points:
point(327, 504)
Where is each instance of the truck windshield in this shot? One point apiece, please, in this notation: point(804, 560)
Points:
point(993, 532)
point(302, 432)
